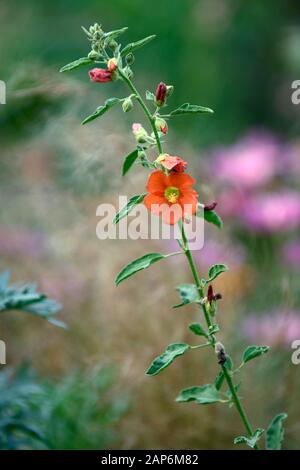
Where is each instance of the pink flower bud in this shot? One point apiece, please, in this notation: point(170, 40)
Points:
point(136, 127)
point(100, 75)
point(210, 207)
point(161, 94)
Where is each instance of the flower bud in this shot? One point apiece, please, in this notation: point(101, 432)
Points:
point(139, 133)
point(161, 94)
point(112, 64)
point(129, 58)
point(93, 55)
point(210, 207)
point(113, 44)
point(100, 75)
point(170, 90)
point(221, 353)
point(161, 125)
point(127, 105)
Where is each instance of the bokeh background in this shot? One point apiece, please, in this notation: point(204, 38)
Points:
point(88, 383)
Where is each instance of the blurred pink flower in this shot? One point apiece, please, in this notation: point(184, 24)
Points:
point(213, 252)
point(16, 242)
point(273, 329)
point(291, 253)
point(251, 162)
point(219, 252)
point(271, 212)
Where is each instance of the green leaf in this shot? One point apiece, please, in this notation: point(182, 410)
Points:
point(188, 293)
point(150, 96)
point(165, 359)
point(275, 432)
point(197, 329)
point(219, 380)
point(133, 46)
point(101, 109)
point(129, 161)
point(250, 441)
point(76, 64)
point(133, 201)
point(220, 377)
point(138, 265)
point(213, 218)
point(215, 271)
point(210, 216)
point(116, 33)
point(254, 351)
point(188, 108)
point(204, 395)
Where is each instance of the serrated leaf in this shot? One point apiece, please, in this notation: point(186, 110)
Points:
point(76, 64)
point(27, 299)
point(133, 201)
point(138, 265)
point(188, 108)
point(133, 46)
point(101, 109)
point(129, 161)
point(150, 96)
point(204, 395)
point(254, 351)
point(165, 359)
point(197, 329)
point(188, 293)
point(215, 270)
point(250, 441)
point(275, 432)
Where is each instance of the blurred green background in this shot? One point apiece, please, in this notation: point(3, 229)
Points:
point(239, 58)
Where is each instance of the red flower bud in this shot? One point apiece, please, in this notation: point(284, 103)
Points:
point(210, 294)
point(100, 75)
point(210, 207)
point(161, 94)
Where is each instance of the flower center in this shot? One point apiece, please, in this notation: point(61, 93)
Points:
point(172, 194)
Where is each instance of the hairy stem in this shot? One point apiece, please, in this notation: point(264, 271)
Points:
point(192, 265)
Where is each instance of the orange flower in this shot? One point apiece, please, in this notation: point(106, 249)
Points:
point(171, 196)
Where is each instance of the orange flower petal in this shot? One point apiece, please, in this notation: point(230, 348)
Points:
point(157, 182)
point(189, 203)
point(154, 203)
point(180, 180)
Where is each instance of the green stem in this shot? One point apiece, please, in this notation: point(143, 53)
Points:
point(194, 272)
point(227, 376)
point(145, 108)
point(191, 262)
